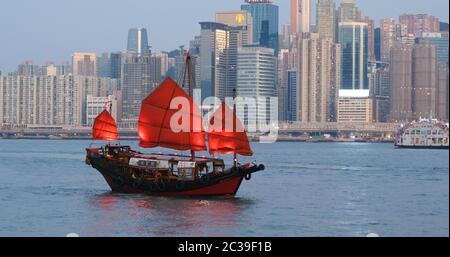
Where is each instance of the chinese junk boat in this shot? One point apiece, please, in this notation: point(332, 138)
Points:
point(129, 171)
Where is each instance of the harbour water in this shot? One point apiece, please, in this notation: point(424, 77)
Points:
point(308, 189)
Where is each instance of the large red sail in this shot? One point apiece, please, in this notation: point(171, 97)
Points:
point(156, 115)
point(105, 127)
point(224, 137)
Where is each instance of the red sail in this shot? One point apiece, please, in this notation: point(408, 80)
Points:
point(224, 137)
point(156, 115)
point(105, 127)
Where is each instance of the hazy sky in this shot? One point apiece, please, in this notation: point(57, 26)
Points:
point(42, 30)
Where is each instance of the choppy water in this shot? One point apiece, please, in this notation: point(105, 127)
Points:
point(329, 189)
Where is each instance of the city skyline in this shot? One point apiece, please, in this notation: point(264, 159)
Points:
point(76, 34)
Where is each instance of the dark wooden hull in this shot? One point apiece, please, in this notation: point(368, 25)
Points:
point(224, 184)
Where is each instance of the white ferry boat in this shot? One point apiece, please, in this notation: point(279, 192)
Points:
point(425, 133)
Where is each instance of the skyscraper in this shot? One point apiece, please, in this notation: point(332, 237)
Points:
point(137, 84)
point(300, 16)
point(353, 38)
point(326, 19)
point(219, 44)
point(414, 81)
point(440, 40)
point(104, 65)
point(256, 80)
point(137, 41)
point(370, 38)
point(241, 19)
point(318, 80)
point(265, 22)
point(84, 64)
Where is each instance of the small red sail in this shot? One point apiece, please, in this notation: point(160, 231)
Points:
point(154, 126)
point(105, 127)
point(224, 137)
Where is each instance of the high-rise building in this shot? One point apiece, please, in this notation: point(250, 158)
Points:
point(442, 93)
point(420, 23)
point(27, 68)
point(326, 19)
point(300, 16)
point(256, 79)
point(96, 104)
point(291, 96)
point(440, 40)
point(318, 79)
point(137, 84)
point(104, 65)
point(49, 100)
point(424, 80)
point(353, 38)
point(348, 12)
point(392, 32)
point(370, 38)
point(242, 19)
point(265, 22)
point(219, 44)
point(116, 65)
point(354, 110)
point(84, 64)
point(401, 82)
point(414, 81)
point(137, 41)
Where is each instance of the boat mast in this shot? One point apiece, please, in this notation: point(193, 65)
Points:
point(188, 72)
point(235, 160)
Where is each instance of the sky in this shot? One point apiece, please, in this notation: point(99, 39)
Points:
point(50, 30)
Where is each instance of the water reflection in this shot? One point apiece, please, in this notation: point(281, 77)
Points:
point(143, 215)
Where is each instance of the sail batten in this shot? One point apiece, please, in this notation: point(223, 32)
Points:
point(104, 127)
point(221, 139)
point(154, 125)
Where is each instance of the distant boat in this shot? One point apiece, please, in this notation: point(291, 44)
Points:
point(425, 133)
point(129, 171)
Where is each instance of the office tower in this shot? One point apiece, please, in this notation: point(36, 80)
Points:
point(256, 80)
point(440, 40)
point(377, 44)
point(137, 84)
point(370, 38)
point(104, 65)
point(300, 16)
point(282, 83)
point(326, 19)
point(420, 23)
point(353, 38)
point(265, 23)
point(49, 69)
point(137, 41)
point(194, 49)
point(116, 65)
point(442, 93)
point(218, 59)
point(291, 96)
point(84, 64)
point(318, 80)
point(401, 82)
point(348, 12)
point(242, 19)
point(424, 80)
